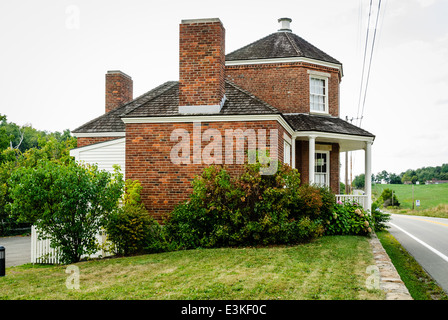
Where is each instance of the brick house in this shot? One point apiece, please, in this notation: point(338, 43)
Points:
point(280, 93)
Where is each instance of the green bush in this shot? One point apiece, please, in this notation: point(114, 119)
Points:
point(131, 229)
point(248, 209)
point(380, 219)
point(68, 203)
point(348, 218)
point(308, 201)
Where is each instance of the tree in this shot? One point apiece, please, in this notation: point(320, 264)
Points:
point(341, 187)
point(394, 179)
point(4, 137)
point(409, 176)
point(9, 161)
point(359, 181)
point(389, 198)
point(383, 175)
point(50, 148)
point(26, 137)
point(68, 203)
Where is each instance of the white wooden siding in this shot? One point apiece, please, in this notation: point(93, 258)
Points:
point(104, 154)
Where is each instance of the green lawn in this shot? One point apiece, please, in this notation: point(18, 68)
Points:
point(330, 268)
point(433, 198)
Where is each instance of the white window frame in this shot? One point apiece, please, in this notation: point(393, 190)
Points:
point(286, 152)
point(325, 79)
point(327, 172)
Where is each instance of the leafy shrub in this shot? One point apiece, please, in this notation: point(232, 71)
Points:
point(309, 201)
point(380, 219)
point(67, 203)
point(130, 228)
point(248, 209)
point(50, 148)
point(348, 218)
point(328, 201)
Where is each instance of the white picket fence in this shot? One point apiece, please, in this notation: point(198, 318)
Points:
point(42, 252)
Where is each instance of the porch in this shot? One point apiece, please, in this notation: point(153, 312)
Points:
point(317, 156)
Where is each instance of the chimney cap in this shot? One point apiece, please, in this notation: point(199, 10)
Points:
point(118, 72)
point(206, 20)
point(285, 24)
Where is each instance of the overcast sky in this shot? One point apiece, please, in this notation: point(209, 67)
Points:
point(54, 55)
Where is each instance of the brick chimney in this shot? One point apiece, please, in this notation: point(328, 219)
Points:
point(201, 66)
point(119, 89)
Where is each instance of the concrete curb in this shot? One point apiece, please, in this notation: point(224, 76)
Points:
point(390, 281)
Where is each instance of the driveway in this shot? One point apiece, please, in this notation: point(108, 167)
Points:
point(17, 249)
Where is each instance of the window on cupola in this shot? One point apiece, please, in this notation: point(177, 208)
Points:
point(318, 95)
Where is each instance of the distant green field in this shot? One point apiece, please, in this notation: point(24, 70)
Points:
point(430, 196)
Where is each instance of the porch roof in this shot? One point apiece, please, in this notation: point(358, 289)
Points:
point(311, 122)
point(327, 129)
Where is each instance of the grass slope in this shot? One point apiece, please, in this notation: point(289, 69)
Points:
point(329, 268)
point(433, 198)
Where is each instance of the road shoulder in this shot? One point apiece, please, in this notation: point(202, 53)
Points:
point(390, 280)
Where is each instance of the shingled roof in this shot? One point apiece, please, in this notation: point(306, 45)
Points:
point(280, 45)
point(111, 121)
point(310, 122)
point(164, 101)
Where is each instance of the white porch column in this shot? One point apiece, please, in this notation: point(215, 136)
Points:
point(368, 174)
point(293, 152)
point(312, 150)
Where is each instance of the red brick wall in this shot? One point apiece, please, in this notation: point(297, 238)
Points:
point(201, 63)
point(82, 142)
point(284, 85)
point(165, 184)
point(119, 89)
point(302, 164)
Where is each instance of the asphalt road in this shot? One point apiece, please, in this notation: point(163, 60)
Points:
point(17, 249)
point(426, 239)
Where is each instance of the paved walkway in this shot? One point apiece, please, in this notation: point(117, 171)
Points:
point(390, 281)
point(17, 249)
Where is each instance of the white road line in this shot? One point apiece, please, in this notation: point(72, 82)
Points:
point(441, 255)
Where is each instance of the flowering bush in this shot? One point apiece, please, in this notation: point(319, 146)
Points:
point(348, 218)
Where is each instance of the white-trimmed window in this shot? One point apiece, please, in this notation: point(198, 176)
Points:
point(322, 168)
point(286, 152)
point(318, 94)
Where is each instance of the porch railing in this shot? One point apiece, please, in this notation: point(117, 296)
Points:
point(361, 199)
